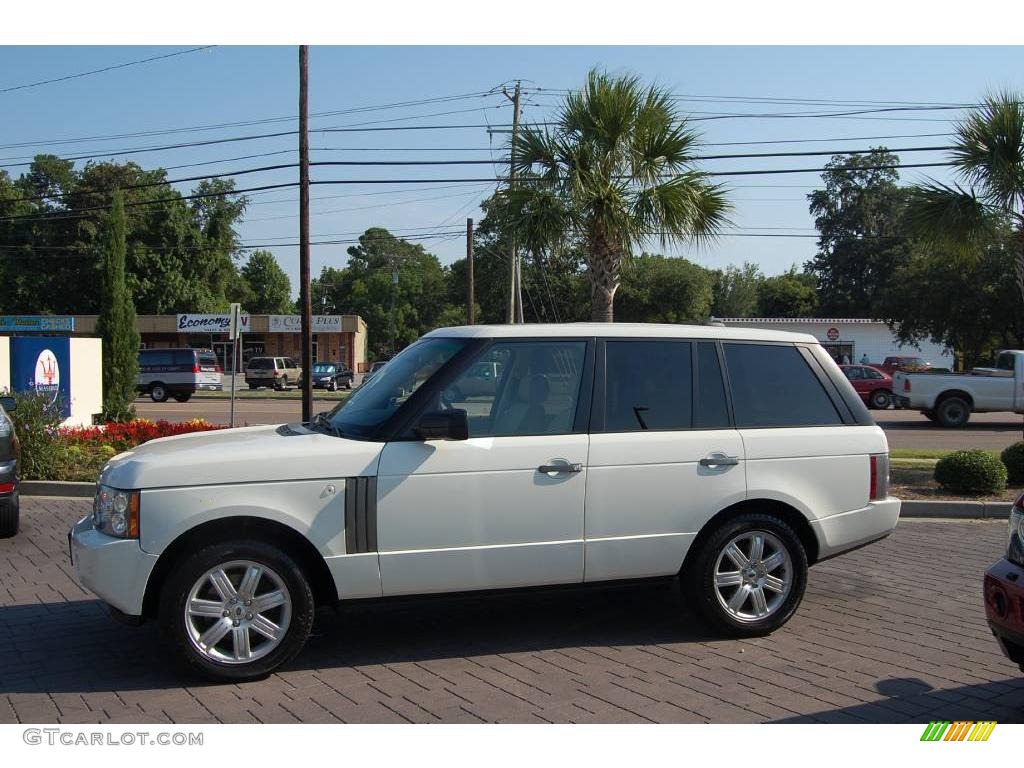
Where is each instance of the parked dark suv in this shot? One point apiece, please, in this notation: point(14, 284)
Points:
point(331, 376)
point(9, 455)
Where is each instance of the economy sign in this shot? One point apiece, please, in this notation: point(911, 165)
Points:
point(210, 324)
point(293, 323)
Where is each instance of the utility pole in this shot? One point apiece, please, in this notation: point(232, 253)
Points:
point(470, 288)
point(515, 296)
point(304, 287)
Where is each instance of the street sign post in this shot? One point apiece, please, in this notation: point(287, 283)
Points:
point(234, 331)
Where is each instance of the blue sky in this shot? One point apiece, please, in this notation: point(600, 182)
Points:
point(235, 84)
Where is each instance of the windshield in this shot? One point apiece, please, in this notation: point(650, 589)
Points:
point(378, 399)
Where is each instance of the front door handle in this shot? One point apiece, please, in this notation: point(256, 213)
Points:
point(714, 460)
point(562, 466)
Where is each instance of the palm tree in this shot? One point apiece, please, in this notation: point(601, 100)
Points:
point(989, 159)
point(615, 170)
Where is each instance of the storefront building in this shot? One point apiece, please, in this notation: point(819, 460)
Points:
point(849, 340)
point(336, 338)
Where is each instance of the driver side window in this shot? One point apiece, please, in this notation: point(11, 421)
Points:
point(520, 388)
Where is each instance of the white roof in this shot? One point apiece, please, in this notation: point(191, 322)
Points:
point(636, 330)
point(815, 320)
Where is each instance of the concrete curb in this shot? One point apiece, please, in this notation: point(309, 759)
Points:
point(946, 508)
point(57, 488)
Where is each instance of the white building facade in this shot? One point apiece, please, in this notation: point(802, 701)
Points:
point(849, 339)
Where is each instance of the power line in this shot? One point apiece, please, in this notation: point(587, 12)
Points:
point(238, 123)
point(104, 69)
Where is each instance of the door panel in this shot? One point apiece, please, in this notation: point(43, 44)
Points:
point(477, 513)
point(648, 496)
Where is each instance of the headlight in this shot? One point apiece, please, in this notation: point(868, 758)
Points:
point(1015, 538)
point(116, 512)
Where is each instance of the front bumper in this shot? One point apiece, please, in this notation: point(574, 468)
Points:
point(849, 530)
point(115, 570)
point(1004, 607)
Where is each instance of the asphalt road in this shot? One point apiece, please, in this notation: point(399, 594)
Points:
point(880, 638)
point(905, 429)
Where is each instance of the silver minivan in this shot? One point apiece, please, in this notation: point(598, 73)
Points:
point(177, 373)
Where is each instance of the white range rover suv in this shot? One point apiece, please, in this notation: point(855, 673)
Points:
point(733, 458)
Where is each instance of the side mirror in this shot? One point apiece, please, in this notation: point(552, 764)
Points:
point(8, 403)
point(443, 425)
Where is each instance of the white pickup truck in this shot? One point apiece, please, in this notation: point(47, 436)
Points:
point(949, 399)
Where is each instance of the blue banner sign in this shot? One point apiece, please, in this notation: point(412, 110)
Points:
point(37, 323)
point(42, 364)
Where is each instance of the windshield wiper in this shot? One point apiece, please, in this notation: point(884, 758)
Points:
point(323, 420)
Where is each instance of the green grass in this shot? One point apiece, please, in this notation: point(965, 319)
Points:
point(925, 453)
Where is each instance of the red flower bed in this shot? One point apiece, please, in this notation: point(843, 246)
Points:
point(125, 435)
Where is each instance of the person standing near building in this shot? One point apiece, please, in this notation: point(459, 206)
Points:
point(864, 359)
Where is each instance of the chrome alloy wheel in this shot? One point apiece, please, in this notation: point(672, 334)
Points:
point(238, 612)
point(753, 576)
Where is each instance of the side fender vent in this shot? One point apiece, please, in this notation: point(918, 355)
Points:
point(360, 515)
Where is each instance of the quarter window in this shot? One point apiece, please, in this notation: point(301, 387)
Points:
point(772, 386)
point(520, 388)
point(648, 385)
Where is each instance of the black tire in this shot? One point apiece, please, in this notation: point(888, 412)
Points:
point(348, 383)
point(182, 397)
point(281, 384)
point(254, 386)
point(333, 386)
point(953, 413)
point(9, 516)
point(158, 392)
point(176, 589)
point(699, 575)
point(880, 399)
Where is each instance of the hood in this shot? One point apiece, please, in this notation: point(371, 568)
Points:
point(244, 455)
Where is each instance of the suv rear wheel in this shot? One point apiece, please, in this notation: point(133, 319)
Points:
point(236, 611)
point(749, 575)
point(9, 516)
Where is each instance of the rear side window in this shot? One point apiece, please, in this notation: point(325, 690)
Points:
point(772, 386)
point(648, 385)
point(711, 409)
point(155, 357)
point(184, 357)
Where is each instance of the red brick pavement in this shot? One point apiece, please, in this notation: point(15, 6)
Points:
point(894, 632)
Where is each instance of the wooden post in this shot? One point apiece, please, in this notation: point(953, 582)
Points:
point(470, 288)
point(304, 284)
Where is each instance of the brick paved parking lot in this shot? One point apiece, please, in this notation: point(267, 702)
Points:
point(891, 633)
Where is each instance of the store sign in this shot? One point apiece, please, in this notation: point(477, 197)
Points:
point(43, 365)
point(16, 323)
point(210, 324)
point(833, 334)
point(293, 323)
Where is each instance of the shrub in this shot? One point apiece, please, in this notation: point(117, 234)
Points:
point(36, 421)
point(1013, 458)
point(971, 472)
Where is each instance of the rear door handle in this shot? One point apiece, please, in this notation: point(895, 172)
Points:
point(718, 460)
point(562, 466)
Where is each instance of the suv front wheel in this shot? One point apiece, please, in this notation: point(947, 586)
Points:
point(749, 575)
point(236, 611)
